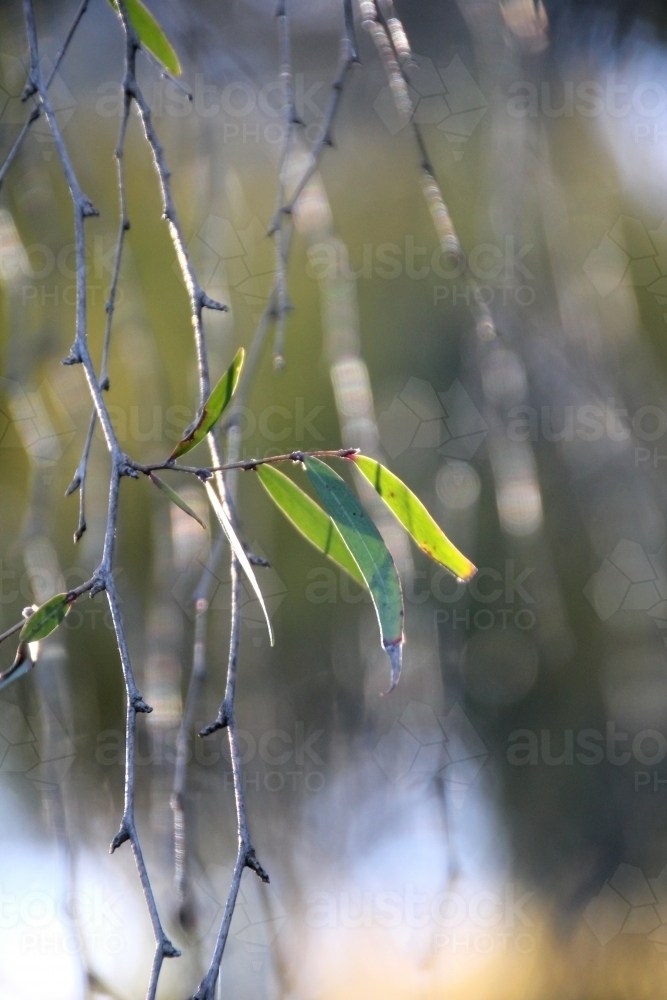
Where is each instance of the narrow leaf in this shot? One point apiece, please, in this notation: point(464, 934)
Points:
point(21, 665)
point(313, 523)
point(415, 518)
point(45, 619)
point(175, 498)
point(369, 552)
point(213, 407)
point(237, 549)
point(151, 35)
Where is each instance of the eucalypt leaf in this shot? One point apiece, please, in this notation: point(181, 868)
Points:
point(175, 498)
point(237, 549)
point(370, 553)
point(415, 518)
point(45, 619)
point(314, 523)
point(151, 35)
point(213, 408)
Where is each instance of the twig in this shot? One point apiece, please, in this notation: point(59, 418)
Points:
point(244, 464)
point(103, 577)
point(79, 479)
point(348, 57)
point(202, 598)
point(199, 300)
point(245, 857)
point(290, 120)
point(36, 112)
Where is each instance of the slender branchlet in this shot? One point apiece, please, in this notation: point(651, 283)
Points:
point(123, 466)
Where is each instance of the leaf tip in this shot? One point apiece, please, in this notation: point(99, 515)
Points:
point(395, 653)
point(471, 569)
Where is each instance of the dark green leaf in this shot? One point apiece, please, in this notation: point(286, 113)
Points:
point(237, 549)
point(309, 519)
point(151, 35)
point(369, 552)
point(45, 619)
point(175, 498)
point(415, 518)
point(213, 407)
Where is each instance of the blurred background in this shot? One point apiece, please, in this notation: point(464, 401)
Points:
point(497, 825)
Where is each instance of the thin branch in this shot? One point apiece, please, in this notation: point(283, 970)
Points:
point(103, 577)
point(29, 91)
point(348, 57)
point(79, 479)
point(244, 464)
point(202, 598)
point(245, 857)
point(290, 120)
point(13, 630)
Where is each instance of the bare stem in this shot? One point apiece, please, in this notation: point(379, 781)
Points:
point(29, 91)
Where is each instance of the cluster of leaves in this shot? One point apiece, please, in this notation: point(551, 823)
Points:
point(341, 528)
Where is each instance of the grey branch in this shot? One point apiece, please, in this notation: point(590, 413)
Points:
point(30, 91)
point(103, 577)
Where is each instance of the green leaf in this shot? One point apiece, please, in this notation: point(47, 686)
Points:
point(213, 407)
point(313, 523)
point(151, 35)
point(175, 498)
point(22, 665)
point(415, 518)
point(369, 552)
point(237, 549)
point(45, 619)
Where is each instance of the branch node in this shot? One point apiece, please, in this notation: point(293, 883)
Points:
point(74, 485)
point(126, 468)
point(29, 89)
point(139, 705)
point(87, 207)
point(221, 722)
point(79, 532)
point(252, 862)
point(99, 585)
point(119, 839)
point(208, 303)
point(73, 358)
point(168, 949)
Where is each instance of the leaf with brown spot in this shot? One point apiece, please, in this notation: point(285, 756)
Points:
point(415, 518)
